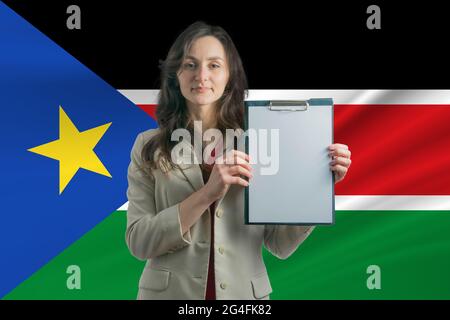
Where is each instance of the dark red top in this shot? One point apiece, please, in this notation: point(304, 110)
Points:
point(210, 283)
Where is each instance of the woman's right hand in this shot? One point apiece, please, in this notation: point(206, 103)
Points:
point(228, 170)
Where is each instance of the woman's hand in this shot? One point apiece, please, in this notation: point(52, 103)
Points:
point(227, 170)
point(340, 155)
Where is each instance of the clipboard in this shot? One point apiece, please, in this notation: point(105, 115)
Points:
point(301, 192)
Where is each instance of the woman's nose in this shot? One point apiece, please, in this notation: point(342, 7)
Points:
point(202, 74)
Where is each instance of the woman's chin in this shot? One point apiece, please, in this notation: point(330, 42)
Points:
point(202, 100)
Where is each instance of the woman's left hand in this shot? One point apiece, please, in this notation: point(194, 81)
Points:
point(340, 155)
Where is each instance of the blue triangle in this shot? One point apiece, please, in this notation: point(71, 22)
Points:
point(37, 76)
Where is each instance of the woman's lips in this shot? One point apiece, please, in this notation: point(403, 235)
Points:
point(200, 90)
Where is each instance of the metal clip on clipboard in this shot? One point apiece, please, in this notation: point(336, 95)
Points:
point(289, 105)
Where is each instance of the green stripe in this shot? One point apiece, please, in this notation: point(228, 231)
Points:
point(411, 248)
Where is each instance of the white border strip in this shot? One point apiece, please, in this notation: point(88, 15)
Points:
point(339, 96)
point(393, 203)
point(381, 203)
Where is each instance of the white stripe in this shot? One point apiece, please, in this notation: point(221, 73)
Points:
point(339, 96)
point(124, 207)
point(141, 96)
point(393, 203)
point(379, 203)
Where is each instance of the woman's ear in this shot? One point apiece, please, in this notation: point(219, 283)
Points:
point(175, 80)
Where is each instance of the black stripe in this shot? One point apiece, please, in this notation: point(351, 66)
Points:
point(284, 45)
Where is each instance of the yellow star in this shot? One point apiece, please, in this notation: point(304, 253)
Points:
point(74, 150)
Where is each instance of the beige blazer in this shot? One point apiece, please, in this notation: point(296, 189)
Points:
point(177, 264)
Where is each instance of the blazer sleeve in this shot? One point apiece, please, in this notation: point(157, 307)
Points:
point(282, 241)
point(149, 233)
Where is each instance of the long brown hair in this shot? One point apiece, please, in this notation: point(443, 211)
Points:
point(172, 112)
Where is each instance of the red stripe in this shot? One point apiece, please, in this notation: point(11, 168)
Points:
point(150, 109)
point(396, 149)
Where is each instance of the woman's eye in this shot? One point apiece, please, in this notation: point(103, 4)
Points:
point(189, 65)
point(215, 66)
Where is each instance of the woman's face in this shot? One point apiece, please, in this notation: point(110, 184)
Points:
point(204, 73)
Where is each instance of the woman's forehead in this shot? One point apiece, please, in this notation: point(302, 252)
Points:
point(206, 48)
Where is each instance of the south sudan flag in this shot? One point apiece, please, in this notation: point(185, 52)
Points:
point(66, 137)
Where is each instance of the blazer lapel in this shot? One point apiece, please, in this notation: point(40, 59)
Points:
point(193, 175)
point(190, 171)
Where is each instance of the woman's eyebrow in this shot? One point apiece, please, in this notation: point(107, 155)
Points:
point(215, 58)
point(210, 58)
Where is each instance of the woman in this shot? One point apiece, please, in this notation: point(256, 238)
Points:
point(187, 221)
